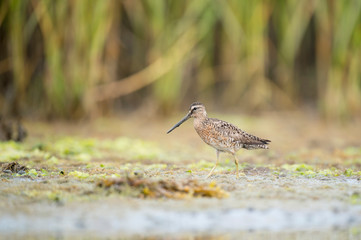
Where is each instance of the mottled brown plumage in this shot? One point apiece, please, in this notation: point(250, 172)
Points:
point(221, 135)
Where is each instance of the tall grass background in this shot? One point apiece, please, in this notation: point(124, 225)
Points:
point(74, 59)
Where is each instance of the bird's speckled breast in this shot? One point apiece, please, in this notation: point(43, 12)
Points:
point(211, 136)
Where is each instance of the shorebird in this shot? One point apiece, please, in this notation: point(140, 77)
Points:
point(221, 135)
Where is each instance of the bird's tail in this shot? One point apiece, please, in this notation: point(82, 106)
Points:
point(263, 143)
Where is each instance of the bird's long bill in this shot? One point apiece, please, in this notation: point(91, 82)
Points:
point(180, 122)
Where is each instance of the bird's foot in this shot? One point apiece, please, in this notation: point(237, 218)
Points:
point(239, 175)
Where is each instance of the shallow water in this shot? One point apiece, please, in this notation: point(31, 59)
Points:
point(106, 219)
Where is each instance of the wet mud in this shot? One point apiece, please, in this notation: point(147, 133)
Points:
point(100, 184)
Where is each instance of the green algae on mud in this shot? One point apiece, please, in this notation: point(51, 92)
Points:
point(80, 163)
point(313, 171)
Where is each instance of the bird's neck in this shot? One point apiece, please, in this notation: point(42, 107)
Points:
point(200, 119)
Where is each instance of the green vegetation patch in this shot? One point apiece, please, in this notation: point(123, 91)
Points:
point(12, 151)
point(311, 171)
point(224, 166)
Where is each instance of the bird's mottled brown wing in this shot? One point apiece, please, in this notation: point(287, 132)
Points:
point(239, 136)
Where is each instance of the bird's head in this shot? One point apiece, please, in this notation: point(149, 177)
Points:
point(196, 110)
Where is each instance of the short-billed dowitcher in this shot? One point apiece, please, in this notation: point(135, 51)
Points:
point(221, 135)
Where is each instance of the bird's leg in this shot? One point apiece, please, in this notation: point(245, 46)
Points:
point(236, 162)
point(214, 165)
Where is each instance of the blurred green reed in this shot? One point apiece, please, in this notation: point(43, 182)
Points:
point(76, 58)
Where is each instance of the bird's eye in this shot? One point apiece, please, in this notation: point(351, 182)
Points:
point(194, 109)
